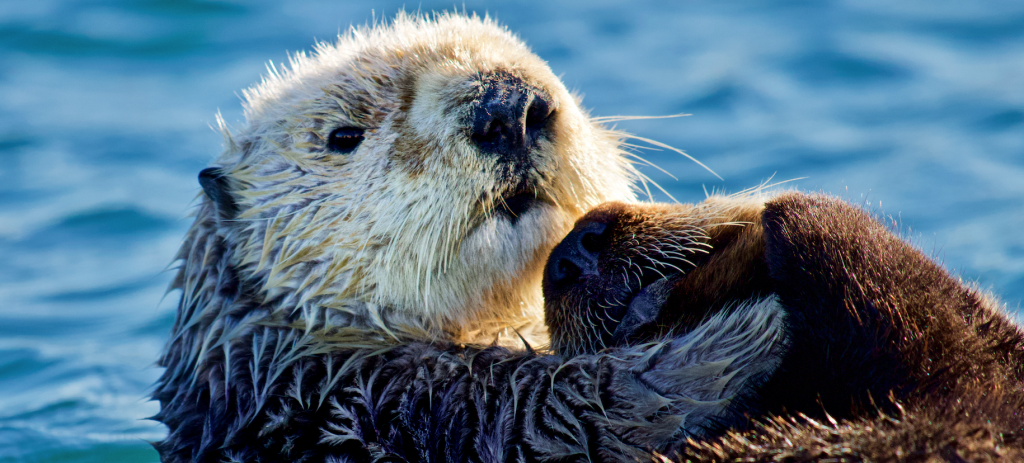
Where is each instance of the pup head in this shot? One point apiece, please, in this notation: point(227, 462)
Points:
point(632, 273)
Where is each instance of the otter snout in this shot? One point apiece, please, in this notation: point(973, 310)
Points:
point(510, 117)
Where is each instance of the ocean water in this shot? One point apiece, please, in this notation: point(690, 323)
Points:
point(915, 107)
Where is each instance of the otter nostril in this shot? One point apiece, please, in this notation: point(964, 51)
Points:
point(538, 114)
point(489, 135)
point(592, 242)
point(577, 254)
point(565, 271)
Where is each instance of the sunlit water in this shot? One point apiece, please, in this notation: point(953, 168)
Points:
point(105, 109)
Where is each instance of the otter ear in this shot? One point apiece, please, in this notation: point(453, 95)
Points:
point(215, 185)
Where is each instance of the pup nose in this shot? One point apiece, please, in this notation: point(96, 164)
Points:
point(577, 254)
point(509, 117)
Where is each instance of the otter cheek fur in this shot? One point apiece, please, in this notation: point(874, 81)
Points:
point(474, 160)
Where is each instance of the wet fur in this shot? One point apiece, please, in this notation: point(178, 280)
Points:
point(446, 402)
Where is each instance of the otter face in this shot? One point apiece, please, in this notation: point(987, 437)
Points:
point(415, 174)
point(633, 273)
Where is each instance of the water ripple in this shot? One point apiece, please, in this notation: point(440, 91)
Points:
point(914, 107)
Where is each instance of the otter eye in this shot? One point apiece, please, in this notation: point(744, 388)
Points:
point(345, 139)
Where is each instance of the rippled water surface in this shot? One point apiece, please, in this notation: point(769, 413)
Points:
point(105, 108)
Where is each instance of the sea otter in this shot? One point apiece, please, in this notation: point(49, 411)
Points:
point(883, 355)
point(406, 182)
point(388, 204)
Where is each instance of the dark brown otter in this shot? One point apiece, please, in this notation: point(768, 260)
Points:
point(887, 357)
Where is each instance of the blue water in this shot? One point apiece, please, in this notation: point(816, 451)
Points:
point(916, 107)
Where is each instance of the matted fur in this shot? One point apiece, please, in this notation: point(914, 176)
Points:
point(442, 402)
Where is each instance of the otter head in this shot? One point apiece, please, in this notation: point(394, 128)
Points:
point(409, 177)
point(634, 273)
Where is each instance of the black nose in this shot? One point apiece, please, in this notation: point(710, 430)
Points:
point(577, 254)
point(510, 117)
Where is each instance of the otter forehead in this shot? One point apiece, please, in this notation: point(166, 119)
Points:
point(410, 58)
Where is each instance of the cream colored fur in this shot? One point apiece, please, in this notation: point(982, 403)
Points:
point(399, 237)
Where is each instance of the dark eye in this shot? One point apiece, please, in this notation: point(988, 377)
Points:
point(345, 140)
